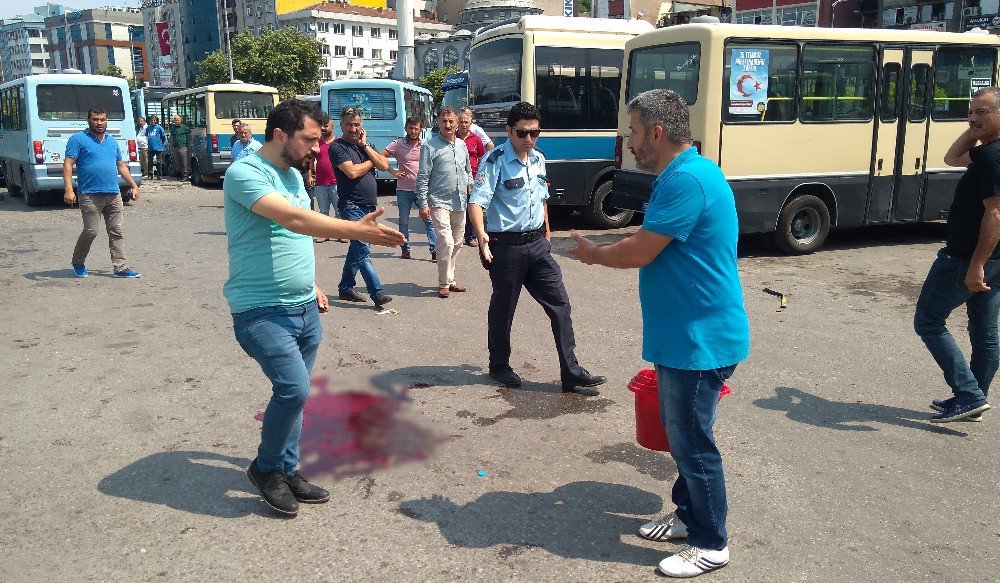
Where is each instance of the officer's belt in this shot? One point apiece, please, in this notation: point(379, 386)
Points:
point(516, 238)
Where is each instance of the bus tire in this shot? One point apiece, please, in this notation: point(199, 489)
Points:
point(12, 187)
point(803, 225)
point(600, 215)
point(196, 178)
point(31, 198)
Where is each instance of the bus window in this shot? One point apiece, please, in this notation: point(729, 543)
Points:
point(378, 104)
point(888, 104)
point(496, 69)
point(672, 66)
point(231, 104)
point(418, 105)
point(917, 108)
point(577, 88)
point(956, 68)
point(73, 101)
point(758, 83)
point(196, 114)
point(837, 83)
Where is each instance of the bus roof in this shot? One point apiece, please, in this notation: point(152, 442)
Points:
point(370, 84)
point(242, 87)
point(563, 24)
point(70, 78)
point(720, 31)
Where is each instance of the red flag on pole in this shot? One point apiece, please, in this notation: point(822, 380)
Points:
point(164, 36)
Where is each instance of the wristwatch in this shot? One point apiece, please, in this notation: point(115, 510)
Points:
point(365, 145)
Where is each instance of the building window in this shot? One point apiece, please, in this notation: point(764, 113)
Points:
point(376, 53)
point(339, 51)
point(323, 27)
point(393, 55)
point(393, 33)
point(338, 28)
point(341, 73)
point(357, 31)
point(430, 60)
point(359, 52)
point(451, 56)
point(324, 49)
point(376, 32)
point(325, 73)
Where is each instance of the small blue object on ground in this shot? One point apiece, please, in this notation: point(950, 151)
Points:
point(128, 273)
point(481, 474)
point(80, 270)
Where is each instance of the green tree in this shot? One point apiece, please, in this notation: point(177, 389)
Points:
point(583, 6)
point(111, 71)
point(284, 58)
point(432, 82)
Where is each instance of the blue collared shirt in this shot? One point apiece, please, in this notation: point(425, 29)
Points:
point(96, 162)
point(512, 192)
point(445, 174)
point(240, 151)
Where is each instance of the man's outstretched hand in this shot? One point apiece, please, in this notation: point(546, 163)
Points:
point(377, 234)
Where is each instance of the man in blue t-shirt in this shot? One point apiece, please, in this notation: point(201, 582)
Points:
point(694, 326)
point(155, 137)
point(99, 163)
point(272, 291)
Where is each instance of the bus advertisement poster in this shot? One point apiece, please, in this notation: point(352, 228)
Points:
point(977, 83)
point(748, 81)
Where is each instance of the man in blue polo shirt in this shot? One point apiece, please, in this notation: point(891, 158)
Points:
point(694, 326)
point(99, 163)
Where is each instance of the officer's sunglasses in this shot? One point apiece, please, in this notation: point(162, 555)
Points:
point(525, 133)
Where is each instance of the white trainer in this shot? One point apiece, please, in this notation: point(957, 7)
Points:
point(691, 561)
point(664, 529)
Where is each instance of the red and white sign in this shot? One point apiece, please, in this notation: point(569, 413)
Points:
point(164, 36)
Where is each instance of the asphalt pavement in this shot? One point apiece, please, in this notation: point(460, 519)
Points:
point(127, 421)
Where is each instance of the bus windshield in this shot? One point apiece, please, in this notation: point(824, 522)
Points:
point(234, 104)
point(495, 69)
point(57, 102)
point(379, 104)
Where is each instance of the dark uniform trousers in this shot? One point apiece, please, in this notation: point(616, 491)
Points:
point(531, 265)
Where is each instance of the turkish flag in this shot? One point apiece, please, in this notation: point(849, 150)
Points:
point(164, 35)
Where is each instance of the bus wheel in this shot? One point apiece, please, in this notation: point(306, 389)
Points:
point(12, 188)
point(803, 225)
point(31, 198)
point(600, 214)
point(196, 179)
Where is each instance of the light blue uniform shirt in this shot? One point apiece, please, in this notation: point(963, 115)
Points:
point(240, 151)
point(445, 174)
point(96, 162)
point(155, 136)
point(692, 301)
point(268, 264)
point(511, 191)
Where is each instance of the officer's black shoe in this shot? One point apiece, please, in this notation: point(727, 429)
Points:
point(304, 491)
point(578, 384)
point(352, 296)
point(273, 489)
point(506, 377)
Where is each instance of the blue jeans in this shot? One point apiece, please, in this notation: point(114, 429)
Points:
point(943, 291)
point(359, 256)
point(284, 341)
point(405, 200)
point(687, 409)
point(326, 196)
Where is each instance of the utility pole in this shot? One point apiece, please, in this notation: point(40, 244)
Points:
point(224, 16)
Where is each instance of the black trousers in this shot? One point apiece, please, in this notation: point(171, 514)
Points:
point(529, 265)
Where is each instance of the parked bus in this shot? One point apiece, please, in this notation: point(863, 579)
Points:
point(384, 103)
point(815, 127)
point(456, 90)
point(39, 113)
point(209, 111)
point(146, 101)
point(570, 68)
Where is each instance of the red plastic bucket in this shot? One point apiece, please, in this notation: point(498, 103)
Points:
point(649, 432)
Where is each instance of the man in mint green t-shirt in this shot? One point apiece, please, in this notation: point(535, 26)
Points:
point(271, 289)
point(694, 326)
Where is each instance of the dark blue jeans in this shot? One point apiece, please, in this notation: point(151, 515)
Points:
point(284, 341)
point(943, 291)
point(359, 257)
point(688, 400)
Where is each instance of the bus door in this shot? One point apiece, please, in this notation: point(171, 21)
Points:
point(910, 160)
point(886, 137)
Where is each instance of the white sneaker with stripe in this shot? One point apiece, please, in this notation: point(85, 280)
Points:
point(664, 529)
point(691, 561)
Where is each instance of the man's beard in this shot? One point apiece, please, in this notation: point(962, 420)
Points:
point(642, 161)
point(300, 162)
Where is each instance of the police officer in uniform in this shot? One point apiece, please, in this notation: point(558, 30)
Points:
point(510, 194)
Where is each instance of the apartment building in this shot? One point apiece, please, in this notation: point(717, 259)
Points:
point(96, 38)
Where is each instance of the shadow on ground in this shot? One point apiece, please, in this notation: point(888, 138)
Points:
point(581, 520)
point(199, 482)
point(812, 410)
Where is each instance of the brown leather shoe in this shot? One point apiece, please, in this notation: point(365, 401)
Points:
point(443, 293)
point(456, 288)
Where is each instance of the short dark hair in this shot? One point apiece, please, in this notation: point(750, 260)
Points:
point(350, 112)
point(96, 111)
point(522, 110)
point(290, 116)
point(325, 119)
point(414, 120)
point(446, 110)
point(236, 121)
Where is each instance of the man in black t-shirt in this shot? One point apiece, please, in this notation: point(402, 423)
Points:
point(354, 162)
point(967, 270)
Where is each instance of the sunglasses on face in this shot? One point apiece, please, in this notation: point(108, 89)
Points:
point(525, 133)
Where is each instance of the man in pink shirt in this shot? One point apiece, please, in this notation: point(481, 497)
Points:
point(406, 151)
point(326, 183)
point(476, 151)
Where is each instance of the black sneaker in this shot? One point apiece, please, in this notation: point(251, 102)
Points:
point(273, 489)
point(506, 377)
point(581, 384)
point(961, 409)
point(941, 405)
point(434, 256)
point(405, 254)
point(351, 296)
point(381, 299)
point(304, 491)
